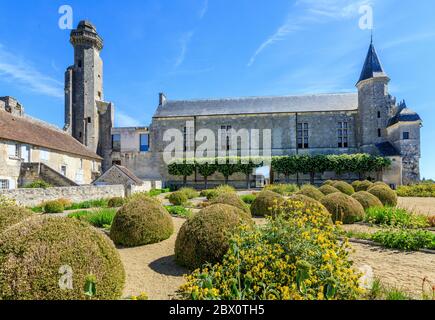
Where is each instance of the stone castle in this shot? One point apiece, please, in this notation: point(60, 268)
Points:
point(369, 120)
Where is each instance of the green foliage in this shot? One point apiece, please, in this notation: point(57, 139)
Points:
point(343, 208)
point(12, 215)
point(308, 203)
point(98, 203)
point(283, 189)
point(224, 188)
point(6, 202)
point(424, 190)
point(190, 193)
point(344, 187)
point(405, 239)
point(248, 198)
point(209, 194)
point(329, 182)
point(312, 192)
point(141, 221)
point(328, 189)
point(178, 198)
point(367, 200)
point(231, 199)
point(265, 203)
point(387, 196)
point(101, 218)
point(362, 185)
point(395, 217)
point(206, 169)
point(204, 238)
point(179, 211)
point(38, 184)
point(116, 202)
point(55, 206)
point(41, 252)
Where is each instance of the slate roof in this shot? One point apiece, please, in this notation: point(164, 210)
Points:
point(129, 174)
point(405, 115)
point(372, 66)
point(26, 130)
point(259, 105)
point(386, 149)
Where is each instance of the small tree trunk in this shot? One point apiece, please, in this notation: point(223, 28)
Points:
point(287, 178)
point(248, 184)
point(312, 176)
point(226, 179)
point(184, 181)
point(206, 183)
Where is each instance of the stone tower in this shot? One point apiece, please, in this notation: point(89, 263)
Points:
point(374, 103)
point(87, 117)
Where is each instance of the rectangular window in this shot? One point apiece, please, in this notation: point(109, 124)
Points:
point(4, 184)
point(302, 135)
point(343, 134)
point(379, 133)
point(226, 137)
point(116, 142)
point(12, 150)
point(144, 142)
point(406, 136)
point(379, 114)
point(43, 155)
point(63, 170)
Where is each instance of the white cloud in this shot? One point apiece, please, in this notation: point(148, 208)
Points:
point(204, 9)
point(184, 44)
point(124, 120)
point(313, 12)
point(16, 70)
point(408, 39)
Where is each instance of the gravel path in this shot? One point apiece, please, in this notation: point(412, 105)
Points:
point(418, 205)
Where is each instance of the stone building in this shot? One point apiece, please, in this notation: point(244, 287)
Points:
point(368, 120)
point(31, 149)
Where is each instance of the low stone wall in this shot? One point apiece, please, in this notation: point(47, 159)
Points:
point(34, 197)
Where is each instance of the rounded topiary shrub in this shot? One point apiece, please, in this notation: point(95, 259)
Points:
point(387, 196)
point(55, 206)
point(380, 183)
point(141, 222)
point(328, 189)
point(231, 199)
point(312, 192)
point(116, 202)
point(209, 194)
point(265, 202)
point(54, 259)
point(205, 237)
point(178, 198)
point(367, 200)
point(13, 215)
point(362, 185)
point(309, 202)
point(343, 208)
point(329, 182)
point(344, 187)
point(189, 192)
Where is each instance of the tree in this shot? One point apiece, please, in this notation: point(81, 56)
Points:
point(228, 168)
point(246, 167)
point(206, 169)
point(181, 169)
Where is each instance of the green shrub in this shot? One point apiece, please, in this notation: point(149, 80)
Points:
point(98, 203)
point(38, 184)
point(190, 193)
point(178, 198)
point(209, 194)
point(343, 208)
point(141, 222)
point(387, 196)
point(328, 189)
point(179, 211)
point(12, 215)
point(282, 189)
point(101, 218)
point(344, 187)
point(116, 202)
point(329, 182)
point(283, 260)
point(362, 185)
point(248, 198)
point(265, 203)
point(309, 203)
point(225, 188)
point(312, 192)
point(231, 199)
point(204, 238)
point(405, 239)
point(423, 190)
point(34, 255)
point(54, 206)
point(155, 192)
point(395, 217)
point(367, 200)
point(380, 183)
point(7, 202)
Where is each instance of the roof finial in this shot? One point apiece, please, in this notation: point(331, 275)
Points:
point(371, 38)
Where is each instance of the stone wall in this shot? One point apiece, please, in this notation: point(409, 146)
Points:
point(34, 197)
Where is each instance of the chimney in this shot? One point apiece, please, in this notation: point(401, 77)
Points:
point(162, 99)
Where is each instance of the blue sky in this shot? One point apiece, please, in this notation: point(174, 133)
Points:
point(219, 48)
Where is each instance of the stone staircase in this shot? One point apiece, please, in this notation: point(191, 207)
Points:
point(37, 170)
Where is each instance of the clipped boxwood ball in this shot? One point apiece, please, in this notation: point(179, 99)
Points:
point(13, 215)
point(387, 196)
point(309, 202)
point(265, 203)
point(362, 185)
point(141, 222)
point(55, 206)
point(312, 192)
point(344, 187)
point(38, 255)
point(178, 198)
point(329, 182)
point(328, 189)
point(367, 200)
point(205, 237)
point(231, 199)
point(115, 202)
point(380, 183)
point(343, 208)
